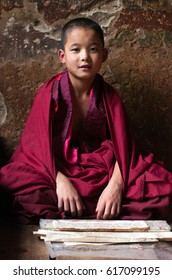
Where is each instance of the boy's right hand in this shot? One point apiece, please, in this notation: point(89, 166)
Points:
point(68, 197)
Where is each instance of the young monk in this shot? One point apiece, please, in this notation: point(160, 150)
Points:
point(76, 158)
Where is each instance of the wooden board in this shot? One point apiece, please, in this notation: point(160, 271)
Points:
point(158, 225)
point(108, 237)
point(93, 225)
point(131, 251)
point(104, 225)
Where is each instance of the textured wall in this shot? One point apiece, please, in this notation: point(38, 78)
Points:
point(138, 35)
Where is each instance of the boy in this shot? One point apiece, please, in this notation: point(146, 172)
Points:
point(77, 158)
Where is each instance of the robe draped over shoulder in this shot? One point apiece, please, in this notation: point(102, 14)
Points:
point(45, 148)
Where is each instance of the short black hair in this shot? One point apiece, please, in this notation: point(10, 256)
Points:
point(80, 22)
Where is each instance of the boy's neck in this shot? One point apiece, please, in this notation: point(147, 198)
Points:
point(81, 87)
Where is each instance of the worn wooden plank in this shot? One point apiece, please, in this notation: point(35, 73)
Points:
point(104, 225)
point(108, 237)
point(158, 225)
point(118, 252)
point(94, 225)
point(70, 235)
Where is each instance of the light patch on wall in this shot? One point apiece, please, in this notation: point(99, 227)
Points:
point(3, 110)
point(37, 41)
point(11, 21)
point(107, 12)
point(9, 25)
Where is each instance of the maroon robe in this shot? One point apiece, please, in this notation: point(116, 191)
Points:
point(30, 176)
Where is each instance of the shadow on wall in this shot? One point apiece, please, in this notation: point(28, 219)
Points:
point(3, 156)
point(5, 197)
point(150, 114)
point(11, 247)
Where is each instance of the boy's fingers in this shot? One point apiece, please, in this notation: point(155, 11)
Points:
point(80, 207)
point(72, 207)
point(107, 211)
point(99, 211)
point(118, 209)
point(99, 215)
point(66, 206)
point(60, 204)
point(112, 212)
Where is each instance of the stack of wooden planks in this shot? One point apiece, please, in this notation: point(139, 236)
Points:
point(101, 232)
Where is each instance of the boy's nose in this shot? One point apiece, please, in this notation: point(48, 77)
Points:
point(84, 55)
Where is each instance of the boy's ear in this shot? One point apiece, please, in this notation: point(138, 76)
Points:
point(61, 55)
point(105, 54)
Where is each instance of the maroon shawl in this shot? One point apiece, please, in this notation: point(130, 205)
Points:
point(30, 175)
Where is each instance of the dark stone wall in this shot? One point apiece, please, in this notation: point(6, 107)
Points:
point(138, 35)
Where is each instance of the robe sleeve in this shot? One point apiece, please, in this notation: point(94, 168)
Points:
point(32, 164)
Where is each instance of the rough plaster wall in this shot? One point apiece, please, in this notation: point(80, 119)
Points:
point(138, 35)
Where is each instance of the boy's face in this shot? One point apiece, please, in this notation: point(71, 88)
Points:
point(83, 53)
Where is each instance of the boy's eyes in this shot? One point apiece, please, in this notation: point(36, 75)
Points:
point(92, 49)
point(75, 50)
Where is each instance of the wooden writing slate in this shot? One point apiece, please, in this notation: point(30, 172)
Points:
point(93, 225)
point(104, 225)
point(104, 237)
point(103, 231)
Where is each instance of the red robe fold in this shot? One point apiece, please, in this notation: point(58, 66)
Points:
point(31, 173)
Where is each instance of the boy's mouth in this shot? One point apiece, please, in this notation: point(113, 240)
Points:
point(85, 66)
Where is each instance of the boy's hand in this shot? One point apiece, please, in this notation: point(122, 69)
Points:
point(68, 197)
point(109, 202)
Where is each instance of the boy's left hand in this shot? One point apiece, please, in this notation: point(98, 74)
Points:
point(109, 202)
